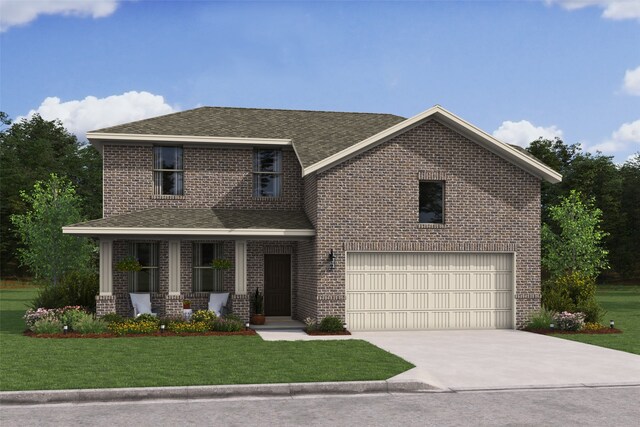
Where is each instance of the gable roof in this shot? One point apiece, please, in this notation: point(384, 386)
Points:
point(226, 222)
point(321, 139)
point(314, 134)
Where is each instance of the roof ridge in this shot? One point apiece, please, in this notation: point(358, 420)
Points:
point(295, 110)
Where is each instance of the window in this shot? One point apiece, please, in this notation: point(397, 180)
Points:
point(145, 280)
point(267, 173)
point(167, 171)
point(431, 202)
point(205, 278)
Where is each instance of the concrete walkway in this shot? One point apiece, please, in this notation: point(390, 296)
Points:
point(502, 359)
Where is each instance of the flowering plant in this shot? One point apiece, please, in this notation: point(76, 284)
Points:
point(566, 321)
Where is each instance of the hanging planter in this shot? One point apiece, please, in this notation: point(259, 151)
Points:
point(221, 264)
point(128, 264)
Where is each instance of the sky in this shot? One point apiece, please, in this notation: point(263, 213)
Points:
point(519, 70)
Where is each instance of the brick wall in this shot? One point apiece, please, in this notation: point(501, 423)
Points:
point(372, 199)
point(214, 177)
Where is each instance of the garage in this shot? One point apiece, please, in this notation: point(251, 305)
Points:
point(429, 290)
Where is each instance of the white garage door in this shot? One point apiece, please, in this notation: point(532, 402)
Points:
point(429, 290)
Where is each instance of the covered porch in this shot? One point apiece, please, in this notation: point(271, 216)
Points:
point(176, 247)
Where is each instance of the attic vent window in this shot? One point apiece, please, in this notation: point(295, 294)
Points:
point(267, 173)
point(168, 173)
point(431, 202)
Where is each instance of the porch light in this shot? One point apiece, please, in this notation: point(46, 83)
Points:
point(162, 328)
point(332, 260)
point(65, 329)
point(611, 324)
point(552, 326)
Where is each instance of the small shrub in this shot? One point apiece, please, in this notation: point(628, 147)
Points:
point(540, 319)
point(90, 325)
point(131, 326)
point(32, 316)
point(203, 316)
point(235, 317)
point(566, 321)
point(148, 318)
point(331, 324)
point(593, 312)
point(573, 292)
point(75, 289)
point(310, 324)
point(181, 326)
point(47, 326)
point(72, 315)
point(225, 324)
point(590, 326)
point(112, 317)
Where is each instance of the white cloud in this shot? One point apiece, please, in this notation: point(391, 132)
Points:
point(92, 113)
point(616, 10)
point(627, 137)
point(631, 83)
point(523, 132)
point(20, 12)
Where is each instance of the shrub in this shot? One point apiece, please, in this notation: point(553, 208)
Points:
point(112, 317)
point(331, 324)
point(234, 317)
point(225, 324)
point(566, 321)
point(47, 326)
point(540, 319)
point(148, 318)
point(75, 289)
point(70, 316)
point(32, 316)
point(310, 324)
point(131, 326)
point(203, 316)
point(572, 292)
point(181, 326)
point(90, 325)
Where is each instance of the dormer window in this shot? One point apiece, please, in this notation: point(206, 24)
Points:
point(168, 174)
point(267, 173)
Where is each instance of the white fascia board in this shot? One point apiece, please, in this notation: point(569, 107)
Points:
point(270, 232)
point(100, 137)
point(509, 153)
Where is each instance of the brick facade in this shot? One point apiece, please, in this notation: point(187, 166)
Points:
point(369, 202)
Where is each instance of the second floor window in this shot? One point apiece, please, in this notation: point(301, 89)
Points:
point(431, 210)
point(267, 173)
point(168, 174)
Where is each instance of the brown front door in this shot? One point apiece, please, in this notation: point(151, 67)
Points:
point(277, 285)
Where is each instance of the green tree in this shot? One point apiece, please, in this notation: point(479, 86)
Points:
point(625, 256)
point(573, 240)
point(30, 150)
point(47, 252)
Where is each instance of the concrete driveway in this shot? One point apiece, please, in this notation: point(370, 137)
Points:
point(499, 359)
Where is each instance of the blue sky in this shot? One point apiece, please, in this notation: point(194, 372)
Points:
point(515, 69)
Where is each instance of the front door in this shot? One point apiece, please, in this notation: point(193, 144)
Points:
point(277, 285)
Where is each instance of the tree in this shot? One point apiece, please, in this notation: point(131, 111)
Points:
point(47, 252)
point(30, 150)
point(572, 243)
point(625, 257)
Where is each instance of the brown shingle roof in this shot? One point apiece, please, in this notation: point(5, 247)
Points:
point(316, 135)
point(205, 219)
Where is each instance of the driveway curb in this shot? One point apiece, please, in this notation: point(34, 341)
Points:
point(211, 392)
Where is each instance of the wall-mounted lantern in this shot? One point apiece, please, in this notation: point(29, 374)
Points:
point(332, 260)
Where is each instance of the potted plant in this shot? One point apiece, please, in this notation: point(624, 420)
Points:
point(257, 318)
point(128, 264)
point(186, 304)
point(221, 264)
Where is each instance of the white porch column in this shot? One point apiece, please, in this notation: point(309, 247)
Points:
point(241, 267)
point(106, 271)
point(174, 267)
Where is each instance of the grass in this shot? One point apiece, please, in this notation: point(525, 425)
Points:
point(622, 303)
point(39, 363)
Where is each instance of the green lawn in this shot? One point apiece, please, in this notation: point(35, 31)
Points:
point(37, 363)
point(622, 303)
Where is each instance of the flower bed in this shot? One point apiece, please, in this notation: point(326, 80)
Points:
point(548, 331)
point(327, 333)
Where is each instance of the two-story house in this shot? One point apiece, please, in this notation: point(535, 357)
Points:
point(386, 222)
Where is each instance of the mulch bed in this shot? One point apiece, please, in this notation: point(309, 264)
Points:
point(328, 333)
point(155, 334)
point(590, 332)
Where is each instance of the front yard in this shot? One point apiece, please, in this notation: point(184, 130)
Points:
point(622, 303)
point(39, 363)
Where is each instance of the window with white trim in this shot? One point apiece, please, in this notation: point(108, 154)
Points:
point(267, 173)
point(168, 173)
point(431, 200)
point(205, 278)
point(147, 279)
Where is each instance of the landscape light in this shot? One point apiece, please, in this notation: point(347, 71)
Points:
point(161, 329)
point(611, 324)
point(65, 328)
point(552, 326)
point(246, 326)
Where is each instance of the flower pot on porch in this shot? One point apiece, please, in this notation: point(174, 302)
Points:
point(257, 319)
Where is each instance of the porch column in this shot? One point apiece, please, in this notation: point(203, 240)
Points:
point(106, 271)
point(174, 267)
point(241, 267)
